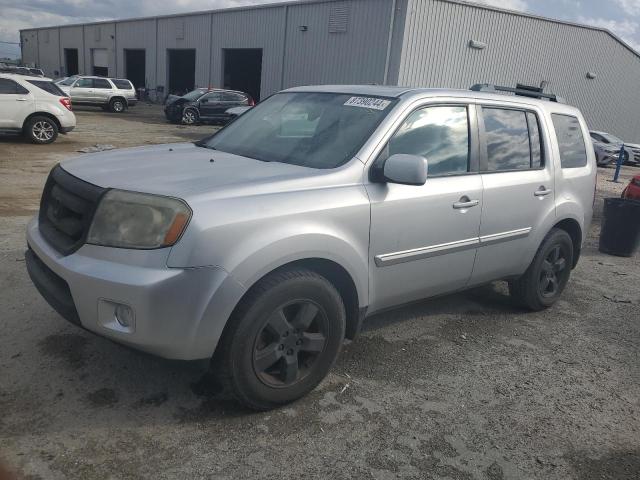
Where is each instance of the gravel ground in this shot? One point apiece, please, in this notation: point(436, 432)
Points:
point(462, 387)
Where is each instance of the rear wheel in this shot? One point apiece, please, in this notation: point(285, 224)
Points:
point(117, 105)
point(41, 130)
point(548, 274)
point(282, 340)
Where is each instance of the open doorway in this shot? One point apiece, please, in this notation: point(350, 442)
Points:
point(243, 70)
point(100, 62)
point(135, 67)
point(71, 61)
point(181, 70)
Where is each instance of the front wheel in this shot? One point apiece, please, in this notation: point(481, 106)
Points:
point(282, 340)
point(548, 274)
point(189, 117)
point(41, 130)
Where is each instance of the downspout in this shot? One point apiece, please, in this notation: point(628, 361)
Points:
point(389, 42)
point(284, 44)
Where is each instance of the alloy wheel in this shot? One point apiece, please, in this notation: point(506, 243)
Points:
point(290, 343)
point(43, 131)
point(552, 271)
point(189, 117)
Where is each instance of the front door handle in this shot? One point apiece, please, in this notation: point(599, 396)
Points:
point(465, 203)
point(542, 192)
point(21, 99)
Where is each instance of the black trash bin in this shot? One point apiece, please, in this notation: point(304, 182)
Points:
point(620, 233)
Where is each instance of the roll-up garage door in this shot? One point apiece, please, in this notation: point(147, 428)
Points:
point(100, 57)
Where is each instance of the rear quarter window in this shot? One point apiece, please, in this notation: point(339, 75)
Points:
point(573, 151)
point(122, 84)
point(48, 87)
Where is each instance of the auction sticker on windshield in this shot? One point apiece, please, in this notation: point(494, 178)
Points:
point(368, 102)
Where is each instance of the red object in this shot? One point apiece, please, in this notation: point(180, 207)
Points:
point(251, 102)
point(66, 102)
point(632, 191)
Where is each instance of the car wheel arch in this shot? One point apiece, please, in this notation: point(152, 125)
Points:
point(41, 114)
point(573, 228)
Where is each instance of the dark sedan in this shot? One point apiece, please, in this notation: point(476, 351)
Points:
point(205, 105)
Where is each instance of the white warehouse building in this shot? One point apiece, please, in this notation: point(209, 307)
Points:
point(431, 43)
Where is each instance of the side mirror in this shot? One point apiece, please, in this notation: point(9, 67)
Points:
point(405, 169)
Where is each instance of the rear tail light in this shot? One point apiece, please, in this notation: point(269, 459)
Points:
point(251, 103)
point(66, 102)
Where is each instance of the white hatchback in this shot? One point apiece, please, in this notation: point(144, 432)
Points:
point(35, 107)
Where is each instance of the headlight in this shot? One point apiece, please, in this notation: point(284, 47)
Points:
point(138, 220)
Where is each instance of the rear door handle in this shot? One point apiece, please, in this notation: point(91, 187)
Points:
point(542, 192)
point(465, 203)
point(21, 99)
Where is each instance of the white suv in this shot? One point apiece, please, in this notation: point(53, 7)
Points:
point(35, 107)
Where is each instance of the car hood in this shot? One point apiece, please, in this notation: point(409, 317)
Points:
point(186, 171)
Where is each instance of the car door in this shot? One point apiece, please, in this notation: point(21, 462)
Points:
point(102, 90)
point(518, 190)
point(16, 104)
point(423, 238)
point(82, 91)
point(209, 105)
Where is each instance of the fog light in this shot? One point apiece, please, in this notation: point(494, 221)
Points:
point(124, 315)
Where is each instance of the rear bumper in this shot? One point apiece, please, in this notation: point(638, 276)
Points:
point(132, 101)
point(67, 129)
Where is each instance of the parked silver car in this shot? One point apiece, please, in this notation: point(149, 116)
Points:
point(265, 245)
point(607, 149)
point(114, 94)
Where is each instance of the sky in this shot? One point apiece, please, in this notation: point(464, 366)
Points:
point(622, 17)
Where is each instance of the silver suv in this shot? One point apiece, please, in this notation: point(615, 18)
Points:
point(114, 94)
point(265, 245)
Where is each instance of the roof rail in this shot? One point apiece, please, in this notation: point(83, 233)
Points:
point(522, 90)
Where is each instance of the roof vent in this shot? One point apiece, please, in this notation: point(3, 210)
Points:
point(339, 18)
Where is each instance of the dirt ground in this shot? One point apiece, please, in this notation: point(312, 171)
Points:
point(462, 387)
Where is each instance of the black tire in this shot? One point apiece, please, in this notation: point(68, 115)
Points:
point(547, 276)
point(295, 358)
point(117, 105)
point(190, 117)
point(41, 130)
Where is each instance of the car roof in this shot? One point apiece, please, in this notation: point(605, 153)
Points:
point(408, 92)
point(17, 76)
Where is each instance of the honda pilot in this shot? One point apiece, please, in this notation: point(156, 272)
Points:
point(267, 244)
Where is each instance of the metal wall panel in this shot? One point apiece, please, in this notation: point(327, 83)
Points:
point(49, 51)
point(96, 36)
point(195, 32)
point(73, 37)
point(29, 41)
point(139, 34)
point(523, 49)
point(316, 56)
point(263, 28)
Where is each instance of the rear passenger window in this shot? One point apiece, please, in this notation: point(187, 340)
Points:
point(440, 134)
point(507, 137)
point(513, 139)
point(573, 153)
point(101, 83)
point(9, 87)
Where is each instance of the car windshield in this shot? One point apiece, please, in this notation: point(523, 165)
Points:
point(311, 129)
point(195, 94)
point(67, 81)
point(610, 138)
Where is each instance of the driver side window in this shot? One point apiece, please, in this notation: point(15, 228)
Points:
point(438, 133)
